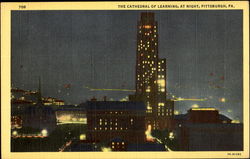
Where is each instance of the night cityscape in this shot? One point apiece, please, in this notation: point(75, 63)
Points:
point(126, 81)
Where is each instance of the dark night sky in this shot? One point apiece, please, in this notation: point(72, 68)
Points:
point(98, 49)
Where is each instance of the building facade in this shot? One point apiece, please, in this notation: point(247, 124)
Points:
point(115, 123)
point(151, 74)
point(204, 129)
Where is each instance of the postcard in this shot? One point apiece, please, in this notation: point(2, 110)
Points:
point(125, 79)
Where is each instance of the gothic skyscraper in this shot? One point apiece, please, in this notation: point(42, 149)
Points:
point(151, 74)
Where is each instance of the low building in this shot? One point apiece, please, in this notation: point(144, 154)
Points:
point(109, 120)
point(211, 137)
point(204, 129)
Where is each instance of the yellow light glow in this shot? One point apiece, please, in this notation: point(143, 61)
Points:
point(235, 121)
point(14, 133)
point(149, 137)
point(204, 109)
point(222, 100)
point(83, 137)
point(44, 132)
point(161, 82)
point(147, 26)
point(106, 149)
point(229, 111)
point(171, 136)
point(161, 104)
point(176, 112)
point(148, 90)
point(195, 106)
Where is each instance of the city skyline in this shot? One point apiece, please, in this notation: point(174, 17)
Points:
point(63, 47)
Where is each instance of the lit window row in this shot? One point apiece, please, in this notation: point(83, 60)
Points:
point(110, 128)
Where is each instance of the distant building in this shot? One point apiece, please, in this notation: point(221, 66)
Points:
point(204, 129)
point(53, 101)
point(151, 74)
point(108, 121)
point(39, 116)
point(71, 114)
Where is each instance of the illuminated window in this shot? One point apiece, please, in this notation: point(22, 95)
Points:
point(161, 104)
point(147, 26)
point(161, 82)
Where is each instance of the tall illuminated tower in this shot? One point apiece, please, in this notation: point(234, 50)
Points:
point(151, 73)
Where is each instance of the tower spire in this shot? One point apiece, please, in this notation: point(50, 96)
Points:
point(39, 94)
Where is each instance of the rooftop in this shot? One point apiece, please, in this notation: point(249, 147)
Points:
point(115, 105)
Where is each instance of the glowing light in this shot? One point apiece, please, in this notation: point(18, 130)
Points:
point(189, 99)
point(229, 111)
point(161, 82)
point(203, 109)
point(44, 132)
point(195, 106)
point(106, 149)
point(161, 104)
point(222, 100)
point(14, 133)
point(149, 137)
point(176, 112)
point(235, 121)
point(83, 137)
point(171, 136)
